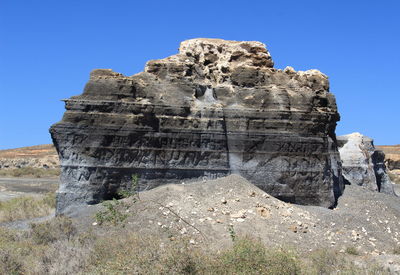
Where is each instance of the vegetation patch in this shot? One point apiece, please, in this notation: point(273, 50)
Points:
point(249, 256)
point(115, 213)
point(55, 247)
point(396, 250)
point(352, 251)
point(30, 172)
point(60, 228)
point(26, 207)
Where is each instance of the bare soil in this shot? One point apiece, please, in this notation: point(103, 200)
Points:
point(29, 152)
point(16, 187)
point(209, 213)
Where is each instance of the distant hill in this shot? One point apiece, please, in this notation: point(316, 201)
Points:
point(40, 156)
point(29, 152)
point(389, 149)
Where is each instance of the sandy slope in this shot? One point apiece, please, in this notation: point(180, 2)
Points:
point(208, 213)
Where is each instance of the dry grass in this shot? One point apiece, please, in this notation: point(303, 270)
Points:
point(27, 207)
point(30, 172)
point(31, 151)
point(132, 254)
point(61, 228)
point(123, 252)
point(326, 261)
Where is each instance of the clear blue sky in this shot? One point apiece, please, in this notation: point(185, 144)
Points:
point(48, 48)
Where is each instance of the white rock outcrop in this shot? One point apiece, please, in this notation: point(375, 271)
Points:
point(362, 164)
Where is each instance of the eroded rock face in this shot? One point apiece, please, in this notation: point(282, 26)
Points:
point(216, 108)
point(362, 164)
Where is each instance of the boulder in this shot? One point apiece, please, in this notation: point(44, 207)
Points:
point(216, 108)
point(362, 164)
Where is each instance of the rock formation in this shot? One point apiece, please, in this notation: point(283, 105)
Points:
point(383, 181)
point(362, 164)
point(392, 161)
point(216, 108)
point(392, 156)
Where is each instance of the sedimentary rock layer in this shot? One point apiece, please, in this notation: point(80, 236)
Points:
point(217, 107)
point(362, 164)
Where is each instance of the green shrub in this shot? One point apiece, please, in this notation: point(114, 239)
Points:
point(232, 232)
point(133, 191)
point(352, 251)
point(114, 212)
point(248, 256)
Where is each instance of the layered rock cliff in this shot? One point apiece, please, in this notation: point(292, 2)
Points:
point(215, 108)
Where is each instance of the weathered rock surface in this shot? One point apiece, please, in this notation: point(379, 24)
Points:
point(216, 108)
point(392, 162)
point(362, 164)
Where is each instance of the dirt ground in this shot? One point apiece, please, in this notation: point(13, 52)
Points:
point(16, 187)
point(209, 213)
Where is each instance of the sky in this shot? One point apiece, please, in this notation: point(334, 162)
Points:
point(48, 48)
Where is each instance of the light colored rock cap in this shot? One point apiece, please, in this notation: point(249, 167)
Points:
point(219, 57)
point(355, 142)
point(355, 135)
point(251, 53)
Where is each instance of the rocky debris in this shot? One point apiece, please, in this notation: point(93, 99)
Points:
point(362, 164)
point(365, 220)
point(216, 108)
point(41, 156)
